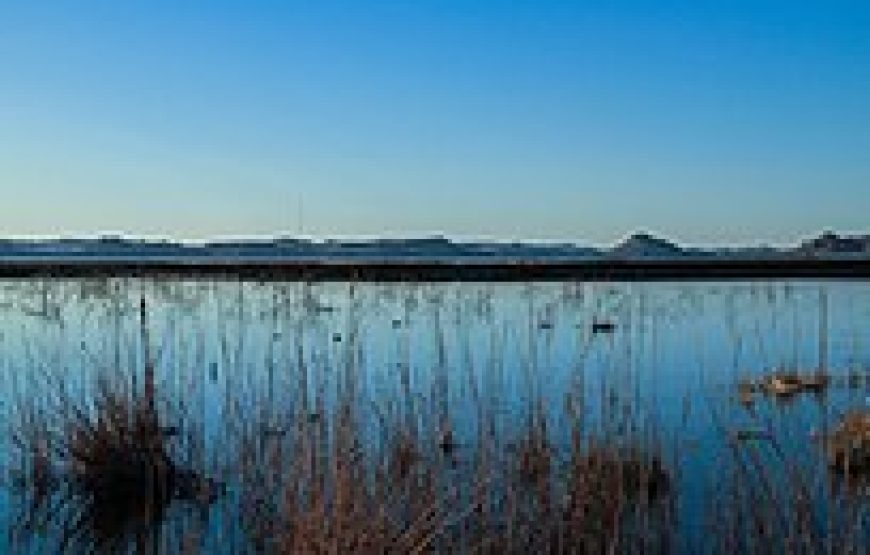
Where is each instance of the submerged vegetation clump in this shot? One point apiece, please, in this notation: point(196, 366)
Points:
point(111, 469)
point(848, 446)
point(103, 471)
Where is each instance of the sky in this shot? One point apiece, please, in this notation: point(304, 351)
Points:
point(704, 121)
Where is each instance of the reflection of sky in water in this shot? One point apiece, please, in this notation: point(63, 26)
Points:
point(230, 351)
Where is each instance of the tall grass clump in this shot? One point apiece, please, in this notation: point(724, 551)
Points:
point(101, 472)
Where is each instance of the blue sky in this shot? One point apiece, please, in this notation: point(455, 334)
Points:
point(708, 122)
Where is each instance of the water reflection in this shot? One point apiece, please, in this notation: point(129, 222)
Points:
point(244, 417)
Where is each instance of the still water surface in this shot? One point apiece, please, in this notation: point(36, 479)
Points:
point(233, 360)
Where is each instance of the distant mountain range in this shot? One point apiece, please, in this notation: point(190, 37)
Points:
point(637, 246)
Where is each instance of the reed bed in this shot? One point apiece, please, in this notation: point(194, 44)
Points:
point(298, 418)
point(415, 497)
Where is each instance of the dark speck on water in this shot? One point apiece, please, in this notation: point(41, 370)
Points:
point(603, 327)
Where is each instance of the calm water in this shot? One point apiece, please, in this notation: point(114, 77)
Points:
point(233, 360)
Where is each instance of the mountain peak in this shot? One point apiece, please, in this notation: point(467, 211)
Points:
point(644, 244)
point(830, 242)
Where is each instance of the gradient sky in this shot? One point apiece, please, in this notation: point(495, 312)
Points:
point(705, 121)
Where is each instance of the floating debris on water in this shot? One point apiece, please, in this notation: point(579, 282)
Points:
point(791, 383)
point(783, 385)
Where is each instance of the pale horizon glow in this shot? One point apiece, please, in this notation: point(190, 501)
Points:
point(705, 123)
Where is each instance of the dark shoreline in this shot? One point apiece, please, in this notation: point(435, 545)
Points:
point(412, 271)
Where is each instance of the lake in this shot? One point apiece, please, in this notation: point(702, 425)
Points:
point(439, 417)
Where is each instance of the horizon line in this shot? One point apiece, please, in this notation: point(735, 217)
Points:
point(453, 238)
